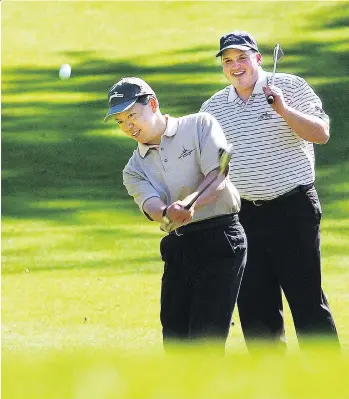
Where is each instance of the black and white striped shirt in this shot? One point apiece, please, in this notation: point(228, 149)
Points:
point(269, 159)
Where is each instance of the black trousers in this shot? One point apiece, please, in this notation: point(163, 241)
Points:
point(284, 253)
point(201, 280)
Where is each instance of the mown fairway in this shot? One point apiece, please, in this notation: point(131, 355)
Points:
point(80, 265)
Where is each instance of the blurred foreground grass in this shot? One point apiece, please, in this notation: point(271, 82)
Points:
point(186, 374)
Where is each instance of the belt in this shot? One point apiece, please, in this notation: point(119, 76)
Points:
point(298, 189)
point(222, 220)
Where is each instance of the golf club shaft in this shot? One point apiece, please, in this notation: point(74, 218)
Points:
point(270, 98)
point(188, 206)
point(224, 156)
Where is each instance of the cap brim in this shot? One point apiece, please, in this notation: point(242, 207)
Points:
point(119, 108)
point(244, 48)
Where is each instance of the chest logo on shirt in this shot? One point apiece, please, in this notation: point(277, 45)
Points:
point(264, 116)
point(185, 152)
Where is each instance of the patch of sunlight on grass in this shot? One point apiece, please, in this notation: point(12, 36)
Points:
point(81, 332)
point(333, 264)
point(94, 239)
point(53, 97)
point(11, 173)
point(335, 232)
point(49, 137)
point(162, 59)
point(111, 131)
point(334, 35)
point(85, 251)
point(83, 309)
point(338, 207)
point(318, 81)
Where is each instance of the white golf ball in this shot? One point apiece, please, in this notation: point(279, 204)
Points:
point(65, 71)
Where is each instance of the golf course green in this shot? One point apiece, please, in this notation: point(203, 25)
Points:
point(81, 270)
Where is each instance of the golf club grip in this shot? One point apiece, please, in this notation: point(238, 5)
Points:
point(188, 206)
point(270, 99)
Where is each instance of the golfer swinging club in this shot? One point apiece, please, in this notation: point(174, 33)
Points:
point(204, 252)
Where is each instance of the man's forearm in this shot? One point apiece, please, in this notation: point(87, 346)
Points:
point(308, 127)
point(210, 193)
point(154, 207)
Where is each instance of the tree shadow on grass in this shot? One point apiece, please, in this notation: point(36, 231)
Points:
point(339, 17)
point(58, 149)
point(60, 162)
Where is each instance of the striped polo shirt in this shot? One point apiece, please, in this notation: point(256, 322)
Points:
point(188, 151)
point(269, 159)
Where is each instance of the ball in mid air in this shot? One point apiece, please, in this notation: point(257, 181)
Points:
point(65, 71)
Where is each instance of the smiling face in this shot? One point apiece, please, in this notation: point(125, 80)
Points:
point(141, 122)
point(241, 68)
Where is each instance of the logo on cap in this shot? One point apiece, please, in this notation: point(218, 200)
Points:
point(239, 40)
point(116, 94)
point(230, 39)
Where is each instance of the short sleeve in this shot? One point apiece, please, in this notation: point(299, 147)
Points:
point(305, 100)
point(211, 139)
point(136, 183)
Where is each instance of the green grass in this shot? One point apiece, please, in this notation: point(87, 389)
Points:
point(191, 375)
point(80, 265)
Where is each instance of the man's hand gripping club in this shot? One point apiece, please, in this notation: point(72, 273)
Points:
point(181, 212)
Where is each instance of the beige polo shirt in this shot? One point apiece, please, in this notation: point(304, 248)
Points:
point(188, 151)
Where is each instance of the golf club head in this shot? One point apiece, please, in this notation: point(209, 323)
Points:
point(278, 53)
point(224, 156)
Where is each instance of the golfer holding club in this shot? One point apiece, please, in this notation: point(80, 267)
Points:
point(272, 128)
point(204, 252)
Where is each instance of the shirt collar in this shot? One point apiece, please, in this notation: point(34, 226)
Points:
point(171, 130)
point(261, 81)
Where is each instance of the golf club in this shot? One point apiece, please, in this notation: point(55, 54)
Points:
point(278, 54)
point(224, 157)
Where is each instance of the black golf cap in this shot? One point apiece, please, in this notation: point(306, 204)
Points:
point(123, 94)
point(239, 40)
